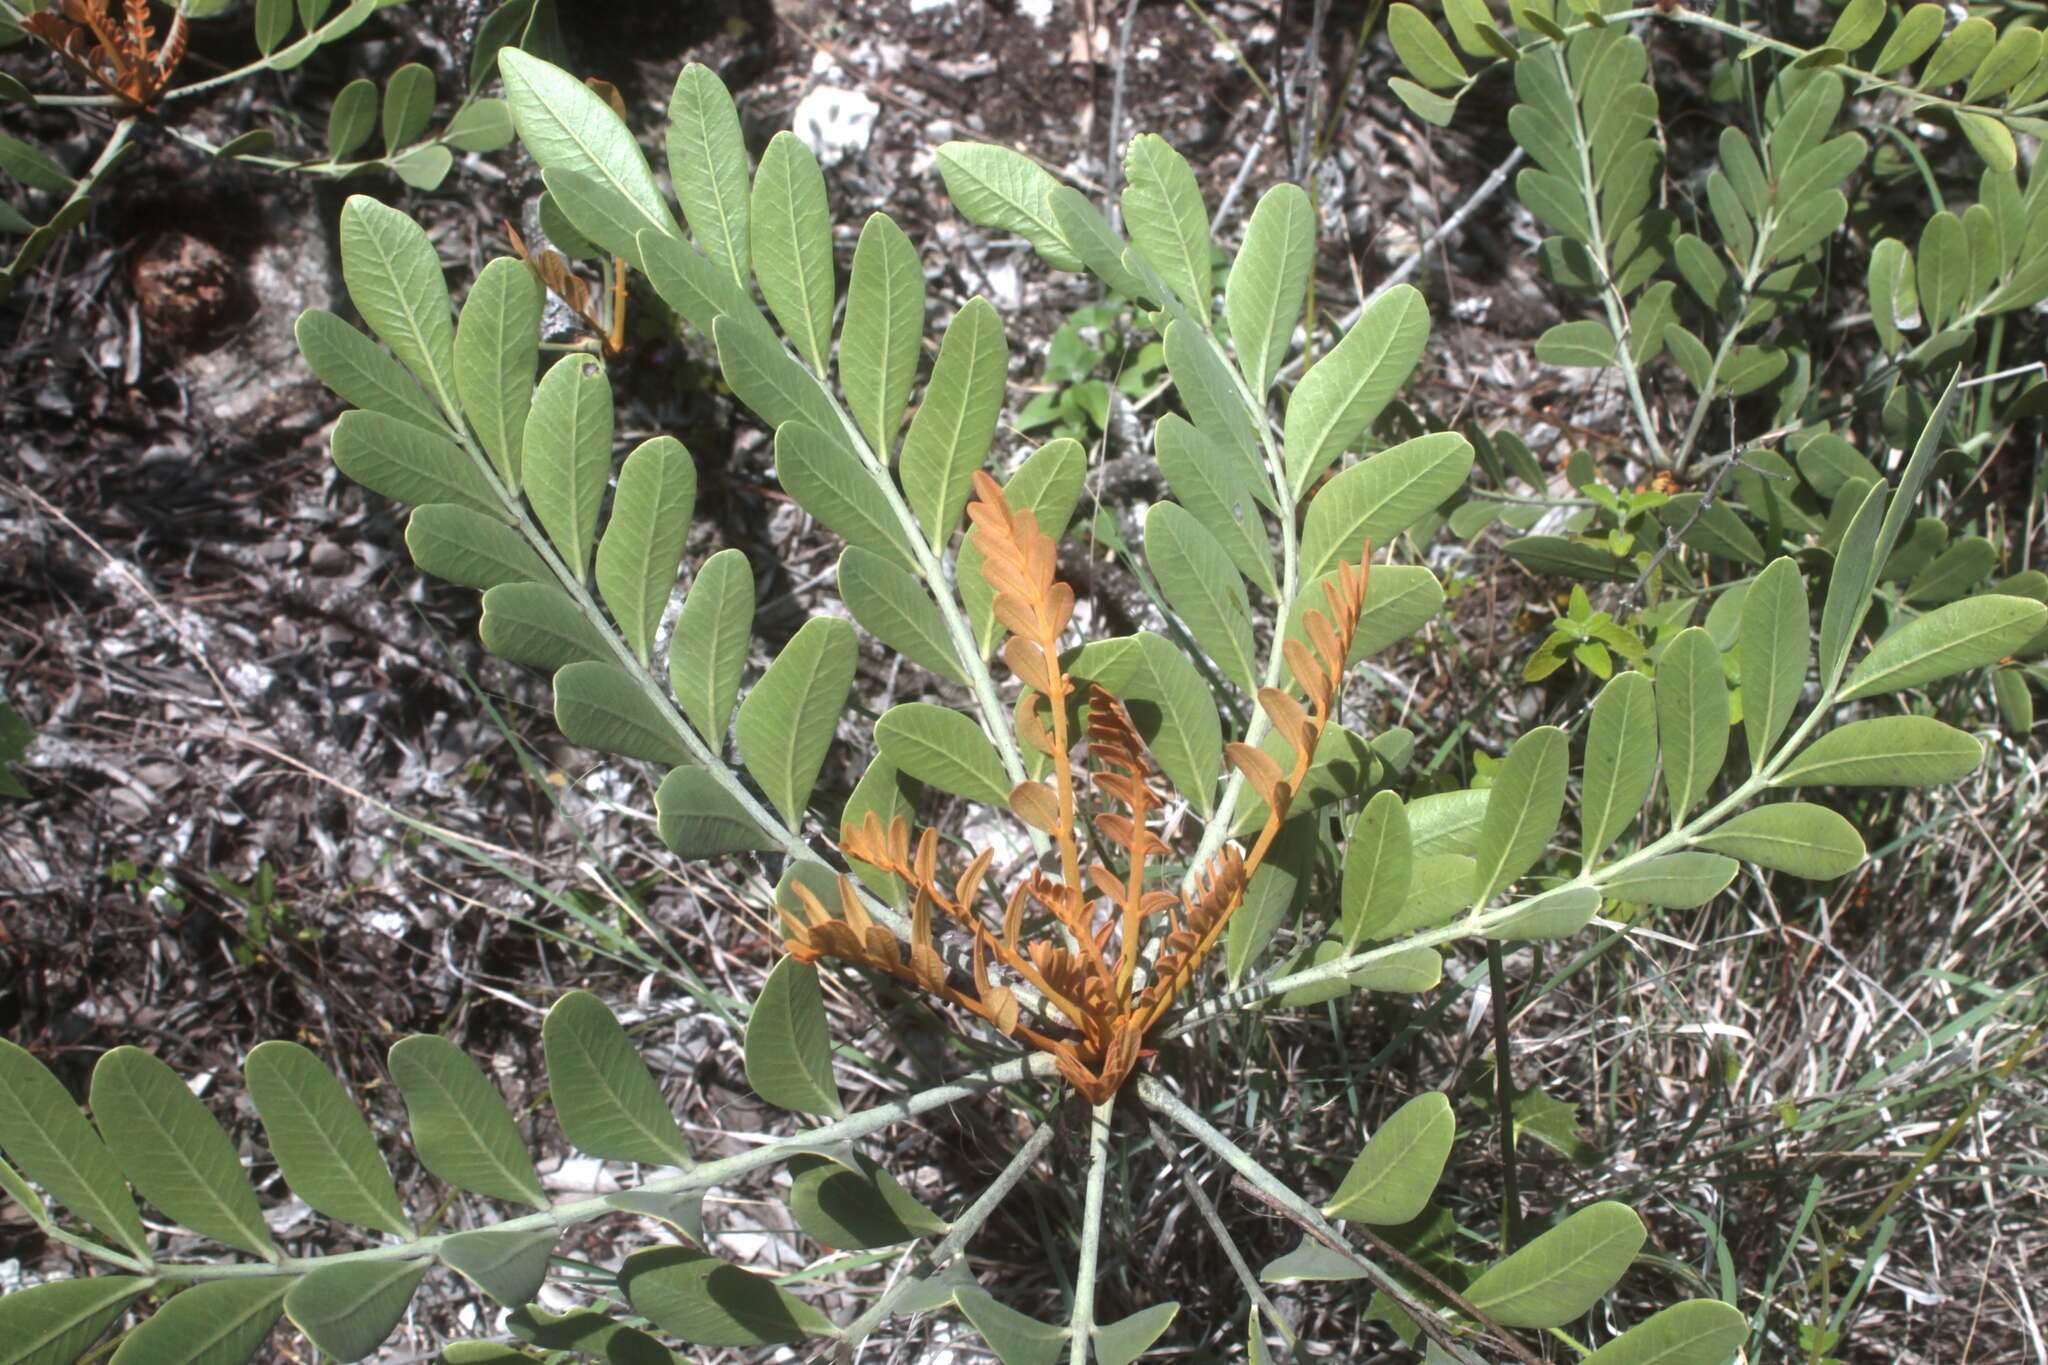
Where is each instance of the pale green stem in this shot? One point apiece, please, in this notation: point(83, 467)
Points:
point(963, 1230)
point(1081, 1323)
point(1217, 830)
point(692, 1181)
point(1194, 1125)
point(1610, 297)
point(1207, 1208)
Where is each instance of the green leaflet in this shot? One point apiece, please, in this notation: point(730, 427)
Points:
point(323, 1147)
point(999, 188)
point(348, 1308)
point(1773, 650)
point(643, 542)
point(1392, 1179)
point(1213, 491)
point(895, 607)
point(567, 453)
point(1268, 286)
point(1583, 344)
point(1167, 220)
point(362, 373)
point(707, 161)
point(1791, 836)
point(394, 279)
point(829, 481)
point(352, 118)
point(568, 126)
point(1692, 718)
point(218, 1322)
point(496, 350)
point(1379, 860)
point(1204, 590)
point(1422, 49)
point(1697, 1332)
point(707, 1302)
point(1855, 574)
point(1015, 1338)
point(855, 1204)
point(1168, 702)
point(44, 1133)
point(173, 1152)
point(1380, 497)
point(461, 1130)
point(787, 722)
point(1971, 633)
point(1522, 810)
point(790, 233)
point(1888, 751)
point(1564, 1272)
point(708, 652)
point(54, 1322)
point(1346, 389)
point(879, 341)
point(540, 626)
point(1099, 247)
point(1204, 384)
point(699, 818)
point(1554, 914)
point(483, 125)
point(1621, 762)
point(407, 463)
point(601, 706)
point(788, 1051)
point(950, 435)
point(408, 104)
point(943, 748)
point(608, 1104)
point(467, 547)
point(603, 221)
point(1676, 881)
point(510, 1265)
point(1123, 1341)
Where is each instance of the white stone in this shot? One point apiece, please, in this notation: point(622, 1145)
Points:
point(836, 123)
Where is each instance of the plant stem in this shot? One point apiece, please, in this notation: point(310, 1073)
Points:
point(1081, 1323)
point(1207, 1208)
